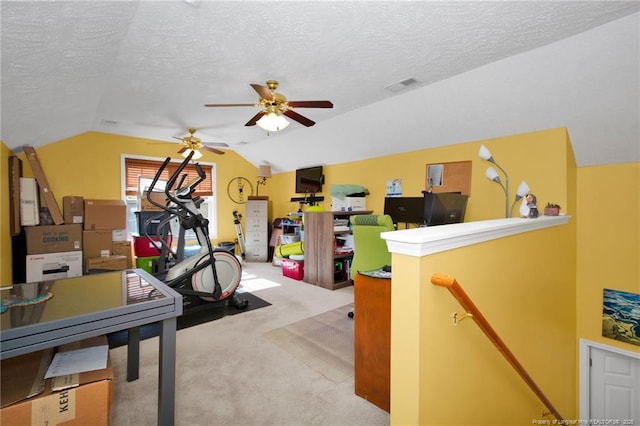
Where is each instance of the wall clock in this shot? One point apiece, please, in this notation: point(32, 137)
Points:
point(239, 189)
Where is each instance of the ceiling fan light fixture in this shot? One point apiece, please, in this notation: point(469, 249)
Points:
point(196, 154)
point(272, 122)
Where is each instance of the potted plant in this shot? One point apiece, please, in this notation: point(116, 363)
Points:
point(552, 209)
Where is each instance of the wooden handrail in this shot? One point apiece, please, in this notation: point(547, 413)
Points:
point(464, 300)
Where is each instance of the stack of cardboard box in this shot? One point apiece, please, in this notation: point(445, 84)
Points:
point(93, 238)
point(105, 236)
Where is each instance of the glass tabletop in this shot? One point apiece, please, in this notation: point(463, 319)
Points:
point(45, 301)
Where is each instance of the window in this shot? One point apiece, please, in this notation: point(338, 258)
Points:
point(138, 174)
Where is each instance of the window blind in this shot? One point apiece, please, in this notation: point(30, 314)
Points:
point(136, 168)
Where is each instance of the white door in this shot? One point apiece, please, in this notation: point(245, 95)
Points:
point(614, 387)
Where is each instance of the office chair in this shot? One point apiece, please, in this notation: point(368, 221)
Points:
point(369, 250)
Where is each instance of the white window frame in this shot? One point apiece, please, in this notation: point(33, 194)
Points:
point(210, 202)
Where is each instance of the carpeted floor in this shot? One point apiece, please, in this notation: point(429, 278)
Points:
point(229, 373)
point(199, 312)
point(324, 342)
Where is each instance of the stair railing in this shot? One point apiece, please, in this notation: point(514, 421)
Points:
point(473, 312)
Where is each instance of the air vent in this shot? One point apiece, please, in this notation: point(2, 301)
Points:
point(108, 123)
point(402, 85)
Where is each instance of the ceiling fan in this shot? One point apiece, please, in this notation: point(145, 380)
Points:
point(192, 143)
point(274, 105)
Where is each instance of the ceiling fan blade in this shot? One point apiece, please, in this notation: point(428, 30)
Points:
point(180, 139)
point(263, 91)
point(183, 149)
point(214, 144)
point(310, 104)
point(299, 118)
point(211, 149)
point(254, 119)
point(229, 105)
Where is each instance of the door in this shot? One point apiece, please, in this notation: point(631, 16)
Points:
point(614, 386)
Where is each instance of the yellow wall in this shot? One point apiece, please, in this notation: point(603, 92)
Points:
point(525, 285)
point(447, 374)
point(89, 165)
point(608, 254)
point(5, 230)
point(538, 157)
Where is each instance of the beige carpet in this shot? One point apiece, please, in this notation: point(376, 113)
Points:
point(229, 373)
point(323, 342)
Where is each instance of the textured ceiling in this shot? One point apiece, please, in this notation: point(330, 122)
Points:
point(484, 69)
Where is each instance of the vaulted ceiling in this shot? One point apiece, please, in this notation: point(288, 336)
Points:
point(479, 69)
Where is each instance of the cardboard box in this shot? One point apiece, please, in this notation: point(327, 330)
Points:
point(108, 263)
point(97, 243)
point(15, 171)
point(43, 183)
point(73, 209)
point(54, 266)
point(53, 238)
point(85, 399)
point(105, 214)
point(123, 248)
point(158, 197)
point(348, 204)
point(119, 235)
point(29, 202)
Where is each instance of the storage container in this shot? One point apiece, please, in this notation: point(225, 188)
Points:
point(148, 264)
point(142, 247)
point(292, 269)
point(151, 219)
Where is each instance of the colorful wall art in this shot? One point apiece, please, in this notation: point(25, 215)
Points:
point(621, 316)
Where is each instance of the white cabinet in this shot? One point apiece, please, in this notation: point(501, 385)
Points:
point(256, 229)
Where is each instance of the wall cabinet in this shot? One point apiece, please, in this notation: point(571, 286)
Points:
point(256, 229)
point(322, 265)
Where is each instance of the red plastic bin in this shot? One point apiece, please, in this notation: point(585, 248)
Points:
point(142, 247)
point(293, 269)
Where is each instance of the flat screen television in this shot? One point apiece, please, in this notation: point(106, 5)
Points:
point(405, 210)
point(309, 180)
point(444, 208)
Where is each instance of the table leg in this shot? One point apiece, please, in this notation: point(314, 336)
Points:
point(167, 372)
point(133, 354)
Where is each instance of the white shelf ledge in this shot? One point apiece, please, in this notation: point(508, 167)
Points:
point(424, 241)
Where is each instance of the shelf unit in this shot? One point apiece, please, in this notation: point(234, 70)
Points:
point(320, 258)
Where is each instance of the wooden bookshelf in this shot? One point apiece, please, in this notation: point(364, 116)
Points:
point(319, 249)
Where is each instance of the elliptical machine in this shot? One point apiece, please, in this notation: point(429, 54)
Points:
point(213, 275)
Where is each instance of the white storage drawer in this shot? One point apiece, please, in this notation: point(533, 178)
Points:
point(256, 230)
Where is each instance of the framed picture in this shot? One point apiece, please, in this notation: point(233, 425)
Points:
point(621, 316)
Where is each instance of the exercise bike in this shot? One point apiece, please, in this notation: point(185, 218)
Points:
point(212, 275)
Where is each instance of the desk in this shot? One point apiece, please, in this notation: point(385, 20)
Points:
point(94, 305)
point(372, 338)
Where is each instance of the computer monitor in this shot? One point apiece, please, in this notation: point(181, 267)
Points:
point(405, 209)
point(444, 208)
